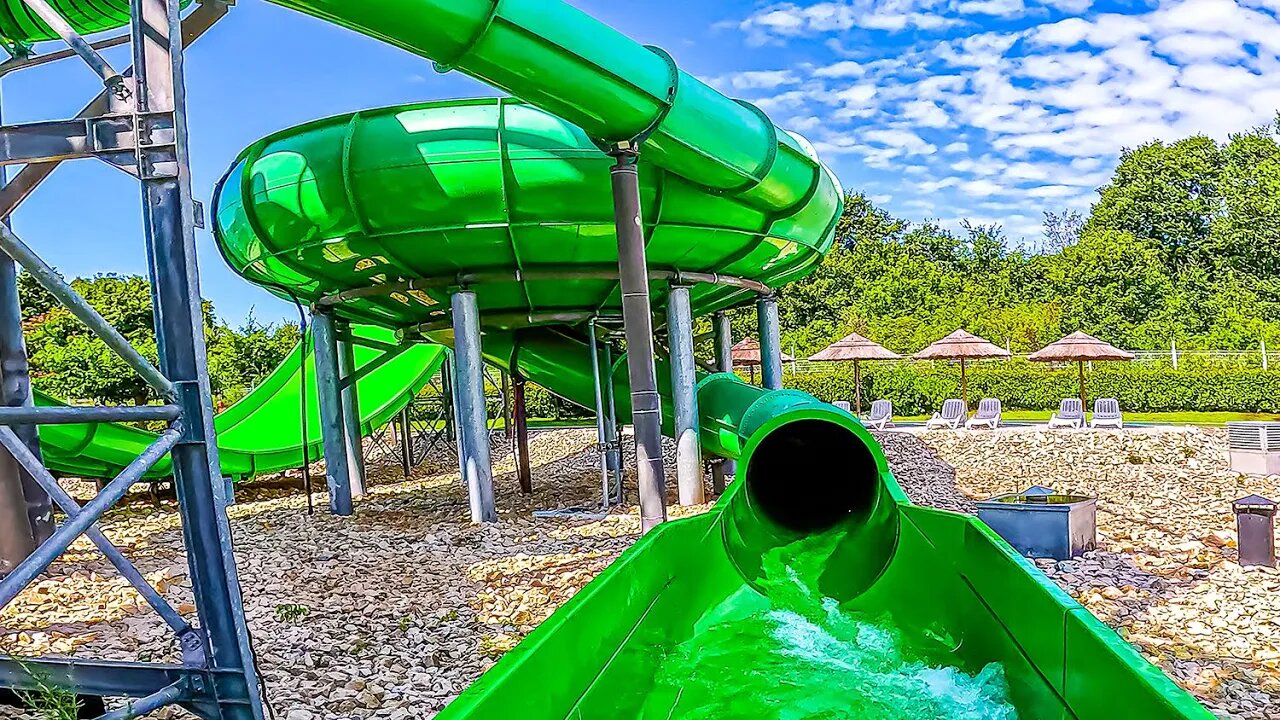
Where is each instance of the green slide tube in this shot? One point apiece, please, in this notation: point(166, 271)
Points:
point(262, 432)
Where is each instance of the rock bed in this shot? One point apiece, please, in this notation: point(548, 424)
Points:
point(386, 614)
point(1165, 572)
point(391, 613)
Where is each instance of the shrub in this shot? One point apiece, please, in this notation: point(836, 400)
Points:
point(920, 388)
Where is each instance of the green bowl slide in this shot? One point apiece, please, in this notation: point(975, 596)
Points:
point(260, 433)
point(814, 588)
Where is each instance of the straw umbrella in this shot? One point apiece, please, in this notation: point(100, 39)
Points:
point(962, 346)
point(856, 348)
point(746, 353)
point(1080, 348)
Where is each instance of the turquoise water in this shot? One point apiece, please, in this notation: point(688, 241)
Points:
point(804, 657)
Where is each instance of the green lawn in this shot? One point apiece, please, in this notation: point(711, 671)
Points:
point(1160, 418)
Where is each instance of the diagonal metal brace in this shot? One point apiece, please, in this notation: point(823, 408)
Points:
point(62, 290)
point(51, 17)
point(127, 570)
point(21, 186)
point(57, 544)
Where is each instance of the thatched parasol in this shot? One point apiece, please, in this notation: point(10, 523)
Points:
point(856, 348)
point(962, 346)
point(746, 353)
point(1080, 348)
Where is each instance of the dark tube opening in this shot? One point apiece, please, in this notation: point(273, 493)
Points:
point(810, 475)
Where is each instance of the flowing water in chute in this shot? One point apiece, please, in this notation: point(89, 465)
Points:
point(814, 660)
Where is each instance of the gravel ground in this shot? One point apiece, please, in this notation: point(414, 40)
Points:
point(1165, 572)
point(392, 612)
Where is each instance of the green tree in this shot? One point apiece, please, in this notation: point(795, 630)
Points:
point(1168, 194)
point(71, 362)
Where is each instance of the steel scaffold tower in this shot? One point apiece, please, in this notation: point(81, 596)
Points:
point(138, 125)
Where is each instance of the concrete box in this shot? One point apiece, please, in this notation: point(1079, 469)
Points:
point(1052, 526)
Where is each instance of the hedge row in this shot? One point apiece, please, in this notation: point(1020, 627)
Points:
point(918, 388)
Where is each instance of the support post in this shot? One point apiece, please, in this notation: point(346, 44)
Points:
point(724, 363)
point(683, 379)
point(169, 232)
point(506, 403)
point(602, 448)
point(477, 472)
point(637, 320)
point(520, 418)
point(351, 417)
point(337, 469)
point(770, 343)
point(406, 440)
point(614, 455)
point(15, 389)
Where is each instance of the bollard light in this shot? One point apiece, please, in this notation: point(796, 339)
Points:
point(1256, 528)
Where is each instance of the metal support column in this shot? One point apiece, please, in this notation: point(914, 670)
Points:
point(770, 343)
point(506, 403)
point(217, 679)
point(611, 430)
point(724, 363)
point(169, 232)
point(351, 417)
point(473, 428)
point(637, 319)
point(602, 446)
point(15, 387)
point(683, 379)
point(406, 440)
point(520, 419)
point(337, 468)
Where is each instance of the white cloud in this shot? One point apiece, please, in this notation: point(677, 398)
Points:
point(844, 68)
point(762, 79)
point(1002, 8)
point(1030, 111)
point(906, 140)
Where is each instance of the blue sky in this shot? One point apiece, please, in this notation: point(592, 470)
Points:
point(994, 110)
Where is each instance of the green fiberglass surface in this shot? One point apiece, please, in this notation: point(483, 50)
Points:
point(813, 589)
point(261, 432)
point(436, 189)
point(19, 24)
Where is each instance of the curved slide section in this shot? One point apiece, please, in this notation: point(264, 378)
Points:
point(260, 433)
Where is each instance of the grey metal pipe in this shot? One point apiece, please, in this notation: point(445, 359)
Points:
point(62, 538)
point(724, 363)
point(78, 45)
point(485, 277)
point(770, 343)
point(602, 448)
point(337, 468)
point(637, 319)
point(71, 415)
point(477, 470)
point(163, 697)
point(60, 289)
point(614, 453)
point(724, 341)
point(15, 384)
point(351, 417)
point(23, 455)
point(520, 417)
point(684, 376)
point(406, 440)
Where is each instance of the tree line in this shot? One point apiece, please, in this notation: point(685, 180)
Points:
point(71, 363)
point(1183, 244)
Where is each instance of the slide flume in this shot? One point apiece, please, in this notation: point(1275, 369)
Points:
point(814, 588)
point(260, 433)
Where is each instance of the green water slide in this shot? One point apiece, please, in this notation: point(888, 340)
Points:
point(814, 588)
point(260, 433)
